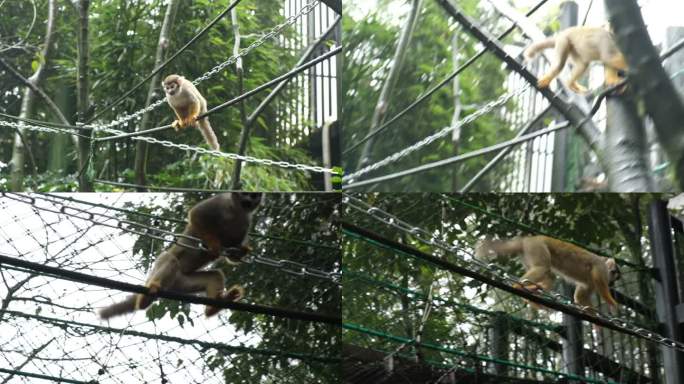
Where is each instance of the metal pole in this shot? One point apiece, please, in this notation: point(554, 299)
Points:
point(667, 297)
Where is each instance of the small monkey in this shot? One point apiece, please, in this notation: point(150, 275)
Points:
point(220, 221)
point(545, 257)
point(188, 103)
point(582, 45)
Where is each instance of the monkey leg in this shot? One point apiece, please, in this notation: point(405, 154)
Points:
point(163, 272)
point(209, 281)
point(611, 68)
point(532, 278)
point(601, 285)
point(562, 51)
point(577, 72)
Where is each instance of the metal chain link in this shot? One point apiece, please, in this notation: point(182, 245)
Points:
point(190, 242)
point(234, 156)
point(295, 268)
point(38, 128)
point(501, 100)
point(185, 147)
point(426, 238)
point(306, 9)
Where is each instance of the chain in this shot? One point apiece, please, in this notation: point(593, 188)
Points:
point(234, 156)
point(38, 128)
point(185, 147)
point(273, 32)
point(295, 268)
point(190, 242)
point(426, 238)
point(501, 100)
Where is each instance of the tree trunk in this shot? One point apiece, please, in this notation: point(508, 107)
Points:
point(28, 103)
point(626, 146)
point(162, 45)
point(236, 184)
point(84, 184)
point(392, 76)
point(650, 80)
point(456, 133)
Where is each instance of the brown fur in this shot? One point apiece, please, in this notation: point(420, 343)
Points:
point(545, 257)
point(581, 45)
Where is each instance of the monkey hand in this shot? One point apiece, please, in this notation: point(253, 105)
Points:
point(177, 125)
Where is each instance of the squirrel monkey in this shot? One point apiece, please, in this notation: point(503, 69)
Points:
point(582, 45)
point(220, 221)
point(545, 257)
point(188, 103)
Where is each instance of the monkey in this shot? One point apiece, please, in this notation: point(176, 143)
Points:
point(582, 45)
point(220, 221)
point(545, 257)
point(188, 103)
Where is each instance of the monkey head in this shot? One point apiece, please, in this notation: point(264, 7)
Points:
point(613, 271)
point(249, 201)
point(171, 84)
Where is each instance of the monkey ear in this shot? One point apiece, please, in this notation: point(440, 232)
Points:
point(611, 264)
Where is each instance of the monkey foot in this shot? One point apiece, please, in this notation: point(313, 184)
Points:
point(543, 82)
point(233, 293)
point(577, 88)
point(246, 248)
point(143, 301)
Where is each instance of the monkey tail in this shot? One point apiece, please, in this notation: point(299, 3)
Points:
point(486, 247)
point(116, 309)
point(539, 46)
point(208, 133)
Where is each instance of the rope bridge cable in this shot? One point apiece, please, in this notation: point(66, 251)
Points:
point(45, 377)
point(199, 150)
point(541, 232)
point(270, 34)
point(195, 342)
point(440, 348)
point(121, 286)
point(287, 266)
point(167, 61)
point(420, 296)
point(438, 86)
point(520, 138)
point(476, 310)
point(72, 199)
point(158, 188)
point(548, 299)
point(460, 158)
point(275, 81)
point(500, 101)
point(569, 110)
point(294, 72)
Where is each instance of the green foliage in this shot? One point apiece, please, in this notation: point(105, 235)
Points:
point(370, 44)
point(123, 40)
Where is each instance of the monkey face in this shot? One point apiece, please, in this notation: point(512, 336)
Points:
point(248, 200)
point(171, 84)
point(170, 88)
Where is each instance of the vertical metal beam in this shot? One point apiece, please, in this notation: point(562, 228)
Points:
point(498, 334)
point(572, 341)
point(568, 18)
point(667, 297)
